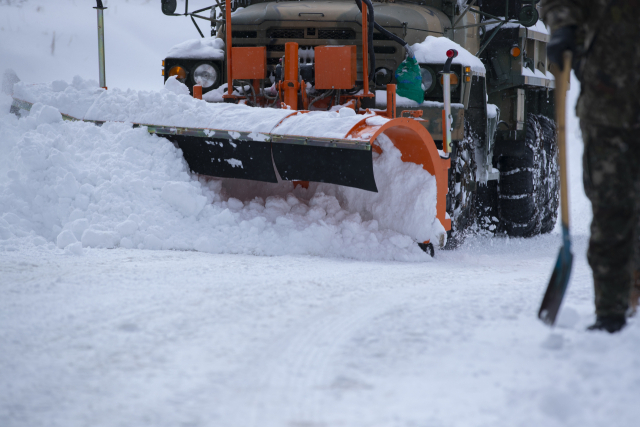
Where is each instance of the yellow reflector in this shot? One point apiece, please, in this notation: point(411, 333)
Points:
point(179, 72)
point(467, 78)
point(453, 79)
point(515, 51)
point(163, 72)
point(467, 69)
point(163, 62)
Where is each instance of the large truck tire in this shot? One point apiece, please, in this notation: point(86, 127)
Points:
point(461, 206)
point(527, 189)
point(487, 208)
point(549, 189)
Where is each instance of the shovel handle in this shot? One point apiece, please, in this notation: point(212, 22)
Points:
point(562, 85)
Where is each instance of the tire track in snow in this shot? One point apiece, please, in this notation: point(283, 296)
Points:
point(286, 384)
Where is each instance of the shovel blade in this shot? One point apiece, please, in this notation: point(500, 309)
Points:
point(557, 286)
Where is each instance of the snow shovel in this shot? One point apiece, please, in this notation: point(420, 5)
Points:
point(560, 277)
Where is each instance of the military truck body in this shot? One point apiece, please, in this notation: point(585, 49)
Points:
point(503, 176)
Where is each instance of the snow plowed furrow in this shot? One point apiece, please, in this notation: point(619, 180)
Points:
point(293, 374)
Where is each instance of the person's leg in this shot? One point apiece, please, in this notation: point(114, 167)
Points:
point(609, 184)
point(634, 297)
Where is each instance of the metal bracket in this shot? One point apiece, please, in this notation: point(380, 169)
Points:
point(463, 13)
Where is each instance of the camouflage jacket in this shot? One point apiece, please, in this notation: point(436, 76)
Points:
point(609, 33)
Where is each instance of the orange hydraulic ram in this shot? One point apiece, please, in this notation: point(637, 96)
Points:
point(365, 48)
point(227, 24)
point(291, 83)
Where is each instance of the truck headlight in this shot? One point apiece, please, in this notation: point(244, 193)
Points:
point(205, 75)
point(428, 79)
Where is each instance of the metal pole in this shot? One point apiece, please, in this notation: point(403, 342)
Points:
point(447, 119)
point(446, 85)
point(495, 31)
point(463, 13)
point(100, 8)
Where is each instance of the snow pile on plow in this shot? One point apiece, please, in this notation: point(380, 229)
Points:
point(172, 106)
point(73, 185)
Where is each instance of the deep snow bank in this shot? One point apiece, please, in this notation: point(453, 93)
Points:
point(79, 185)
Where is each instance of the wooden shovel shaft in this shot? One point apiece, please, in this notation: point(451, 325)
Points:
point(562, 84)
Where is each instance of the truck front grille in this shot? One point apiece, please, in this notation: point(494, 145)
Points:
point(284, 33)
point(244, 34)
point(379, 36)
point(336, 34)
point(314, 34)
point(322, 33)
point(389, 50)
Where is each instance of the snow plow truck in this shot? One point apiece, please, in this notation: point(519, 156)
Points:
point(333, 92)
point(493, 153)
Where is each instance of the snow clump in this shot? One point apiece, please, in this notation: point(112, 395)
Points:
point(174, 86)
point(208, 47)
point(433, 50)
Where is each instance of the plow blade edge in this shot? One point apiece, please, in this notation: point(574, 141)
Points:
point(227, 158)
point(351, 167)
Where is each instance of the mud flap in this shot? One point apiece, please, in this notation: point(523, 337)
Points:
point(227, 158)
point(333, 164)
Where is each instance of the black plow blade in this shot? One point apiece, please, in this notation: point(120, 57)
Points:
point(351, 167)
point(340, 162)
point(227, 158)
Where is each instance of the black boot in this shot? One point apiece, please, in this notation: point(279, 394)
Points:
point(611, 324)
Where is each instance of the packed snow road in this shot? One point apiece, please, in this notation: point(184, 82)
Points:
point(166, 338)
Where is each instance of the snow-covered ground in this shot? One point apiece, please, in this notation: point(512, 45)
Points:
point(311, 316)
point(167, 338)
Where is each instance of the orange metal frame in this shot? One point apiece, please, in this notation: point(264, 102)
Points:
point(249, 63)
point(365, 56)
point(291, 84)
point(417, 146)
point(227, 24)
point(197, 91)
point(365, 51)
point(335, 67)
point(407, 134)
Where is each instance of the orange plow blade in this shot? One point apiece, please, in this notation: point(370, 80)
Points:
point(417, 146)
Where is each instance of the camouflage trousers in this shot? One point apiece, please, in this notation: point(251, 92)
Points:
point(611, 165)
